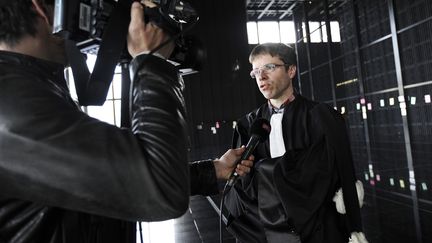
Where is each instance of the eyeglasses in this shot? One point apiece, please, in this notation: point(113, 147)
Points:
point(267, 68)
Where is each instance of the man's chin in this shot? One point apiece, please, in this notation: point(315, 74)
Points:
point(266, 95)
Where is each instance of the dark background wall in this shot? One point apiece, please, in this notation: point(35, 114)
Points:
point(223, 91)
point(385, 54)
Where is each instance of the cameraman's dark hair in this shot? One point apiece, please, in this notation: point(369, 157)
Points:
point(17, 19)
point(285, 52)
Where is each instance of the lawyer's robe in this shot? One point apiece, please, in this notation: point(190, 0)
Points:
point(292, 194)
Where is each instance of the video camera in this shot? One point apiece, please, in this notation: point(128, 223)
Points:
point(100, 27)
point(84, 21)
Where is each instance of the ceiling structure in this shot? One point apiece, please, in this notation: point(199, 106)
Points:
point(277, 10)
point(270, 9)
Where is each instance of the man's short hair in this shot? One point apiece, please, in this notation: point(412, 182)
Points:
point(285, 52)
point(17, 19)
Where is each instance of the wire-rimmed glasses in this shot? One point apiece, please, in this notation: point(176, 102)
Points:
point(266, 68)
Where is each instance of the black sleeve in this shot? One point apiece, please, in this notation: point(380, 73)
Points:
point(53, 154)
point(334, 127)
point(203, 178)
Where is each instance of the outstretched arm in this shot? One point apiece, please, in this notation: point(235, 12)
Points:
point(205, 174)
point(226, 164)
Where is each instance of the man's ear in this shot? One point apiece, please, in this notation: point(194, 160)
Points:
point(292, 71)
point(41, 10)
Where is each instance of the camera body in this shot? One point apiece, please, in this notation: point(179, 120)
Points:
point(84, 21)
point(101, 26)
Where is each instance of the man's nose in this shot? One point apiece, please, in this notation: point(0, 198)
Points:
point(261, 75)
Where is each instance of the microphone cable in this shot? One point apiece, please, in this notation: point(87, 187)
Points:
point(259, 132)
point(225, 190)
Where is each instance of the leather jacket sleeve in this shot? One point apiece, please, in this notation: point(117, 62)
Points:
point(53, 154)
point(203, 178)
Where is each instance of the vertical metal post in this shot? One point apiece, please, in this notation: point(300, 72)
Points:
point(306, 21)
point(297, 26)
point(329, 51)
point(360, 77)
point(399, 78)
point(360, 71)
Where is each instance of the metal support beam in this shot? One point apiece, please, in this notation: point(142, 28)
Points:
point(329, 51)
point(399, 78)
point(298, 37)
point(266, 9)
point(309, 59)
point(289, 10)
point(360, 71)
point(360, 77)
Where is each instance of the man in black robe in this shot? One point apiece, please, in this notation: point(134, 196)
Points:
point(288, 195)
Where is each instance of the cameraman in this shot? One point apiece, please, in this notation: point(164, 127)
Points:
point(66, 177)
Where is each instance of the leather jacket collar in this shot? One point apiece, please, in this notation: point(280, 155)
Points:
point(43, 68)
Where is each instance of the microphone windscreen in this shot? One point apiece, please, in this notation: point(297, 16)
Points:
point(261, 128)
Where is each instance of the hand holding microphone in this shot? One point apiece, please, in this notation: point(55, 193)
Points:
point(259, 132)
point(228, 162)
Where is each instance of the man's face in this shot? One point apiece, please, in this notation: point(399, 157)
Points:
point(274, 82)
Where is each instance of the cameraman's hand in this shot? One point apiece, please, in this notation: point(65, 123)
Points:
point(226, 164)
point(144, 37)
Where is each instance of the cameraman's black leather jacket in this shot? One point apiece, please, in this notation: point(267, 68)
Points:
point(65, 175)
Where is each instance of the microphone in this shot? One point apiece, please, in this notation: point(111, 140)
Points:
point(259, 132)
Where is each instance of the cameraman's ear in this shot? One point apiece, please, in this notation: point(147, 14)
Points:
point(44, 11)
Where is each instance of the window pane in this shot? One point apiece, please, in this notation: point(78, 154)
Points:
point(110, 92)
point(116, 85)
point(287, 32)
point(305, 37)
point(324, 31)
point(314, 28)
point(110, 111)
point(104, 113)
point(268, 31)
point(117, 112)
point(91, 61)
point(156, 232)
point(335, 33)
point(252, 32)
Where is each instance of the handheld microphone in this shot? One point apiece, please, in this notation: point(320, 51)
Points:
point(259, 132)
